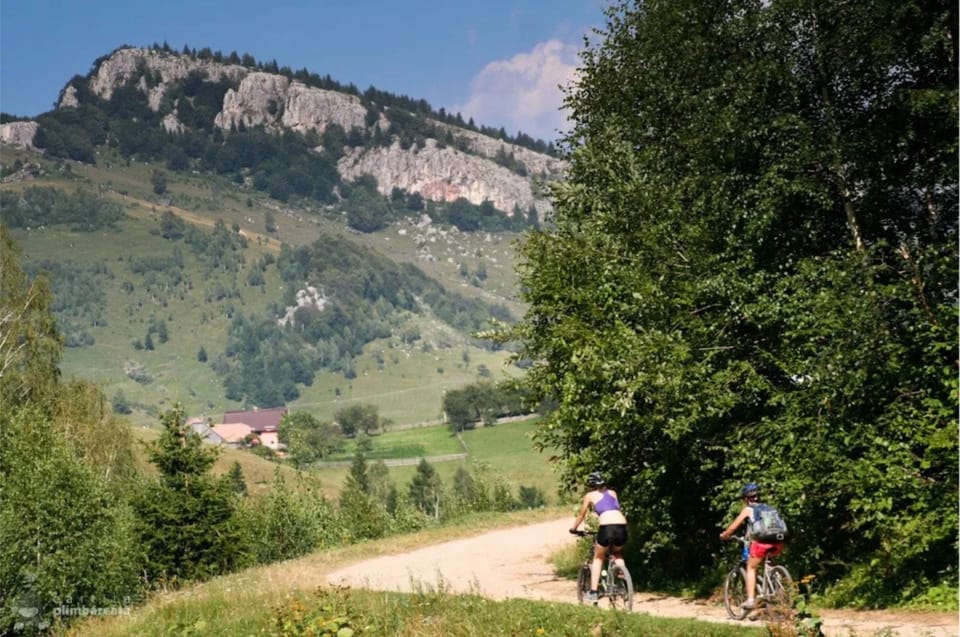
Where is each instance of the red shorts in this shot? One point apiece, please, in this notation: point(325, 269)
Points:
point(762, 549)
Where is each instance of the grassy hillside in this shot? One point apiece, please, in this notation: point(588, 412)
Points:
point(405, 380)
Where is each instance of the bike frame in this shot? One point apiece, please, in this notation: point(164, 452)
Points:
point(774, 586)
point(609, 586)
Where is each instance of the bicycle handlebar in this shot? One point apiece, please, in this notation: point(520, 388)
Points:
point(582, 533)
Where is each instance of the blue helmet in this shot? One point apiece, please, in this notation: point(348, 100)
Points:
point(595, 479)
point(749, 489)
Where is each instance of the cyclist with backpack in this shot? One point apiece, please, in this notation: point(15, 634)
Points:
point(766, 531)
point(612, 533)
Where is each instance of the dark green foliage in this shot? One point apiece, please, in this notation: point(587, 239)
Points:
point(158, 179)
point(752, 275)
point(366, 513)
point(358, 419)
point(308, 440)
point(220, 249)
point(171, 226)
point(530, 498)
point(470, 217)
point(186, 518)
point(290, 521)
point(36, 207)
point(72, 133)
point(120, 404)
point(63, 535)
point(367, 210)
point(482, 402)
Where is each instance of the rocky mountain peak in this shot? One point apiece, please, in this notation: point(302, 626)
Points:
point(474, 168)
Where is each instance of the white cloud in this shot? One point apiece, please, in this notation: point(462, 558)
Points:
point(522, 93)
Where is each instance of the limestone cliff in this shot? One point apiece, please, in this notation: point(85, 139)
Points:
point(18, 133)
point(474, 170)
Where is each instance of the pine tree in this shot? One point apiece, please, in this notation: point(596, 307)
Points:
point(186, 517)
point(237, 482)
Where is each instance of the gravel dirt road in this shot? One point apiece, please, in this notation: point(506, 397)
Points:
point(512, 563)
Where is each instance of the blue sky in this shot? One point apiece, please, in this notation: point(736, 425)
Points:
point(498, 61)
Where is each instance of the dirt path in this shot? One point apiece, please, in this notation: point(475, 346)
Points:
point(512, 563)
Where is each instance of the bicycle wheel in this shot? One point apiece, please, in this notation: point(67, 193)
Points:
point(583, 582)
point(735, 592)
point(780, 596)
point(622, 592)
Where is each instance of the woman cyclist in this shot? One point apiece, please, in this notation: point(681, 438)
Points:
point(612, 534)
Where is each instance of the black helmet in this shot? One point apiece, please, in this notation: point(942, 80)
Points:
point(595, 479)
point(750, 489)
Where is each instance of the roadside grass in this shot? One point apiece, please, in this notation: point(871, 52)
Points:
point(252, 602)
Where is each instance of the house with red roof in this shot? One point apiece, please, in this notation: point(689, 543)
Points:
point(263, 423)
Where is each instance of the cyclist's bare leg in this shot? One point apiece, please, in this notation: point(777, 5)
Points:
point(752, 564)
point(599, 554)
point(618, 556)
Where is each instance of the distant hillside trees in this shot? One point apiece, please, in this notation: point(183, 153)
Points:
point(308, 440)
point(365, 293)
point(482, 402)
point(41, 206)
point(358, 419)
point(79, 297)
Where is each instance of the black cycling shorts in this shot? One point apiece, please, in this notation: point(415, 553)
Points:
point(612, 535)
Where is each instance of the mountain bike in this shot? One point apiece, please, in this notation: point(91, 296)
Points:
point(774, 587)
point(616, 584)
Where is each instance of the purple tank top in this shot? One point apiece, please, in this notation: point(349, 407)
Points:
point(606, 503)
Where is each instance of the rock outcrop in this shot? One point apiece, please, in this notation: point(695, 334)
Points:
point(276, 102)
point(162, 67)
point(273, 101)
point(442, 174)
point(18, 134)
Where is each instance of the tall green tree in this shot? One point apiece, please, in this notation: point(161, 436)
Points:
point(365, 514)
point(186, 517)
point(64, 535)
point(751, 274)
